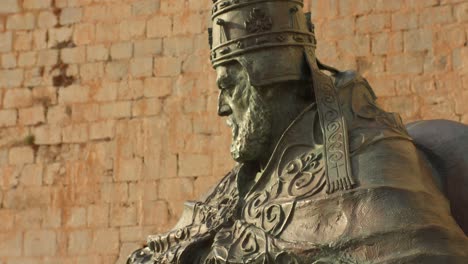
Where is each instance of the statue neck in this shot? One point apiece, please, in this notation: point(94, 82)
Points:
point(286, 105)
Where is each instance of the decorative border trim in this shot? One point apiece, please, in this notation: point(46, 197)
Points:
point(233, 4)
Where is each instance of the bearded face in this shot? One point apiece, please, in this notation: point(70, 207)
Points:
point(248, 115)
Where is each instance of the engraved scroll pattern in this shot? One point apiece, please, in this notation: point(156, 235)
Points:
point(335, 133)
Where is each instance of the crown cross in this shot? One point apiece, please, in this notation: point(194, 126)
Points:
point(258, 21)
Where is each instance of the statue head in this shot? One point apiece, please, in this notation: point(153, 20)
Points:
point(257, 49)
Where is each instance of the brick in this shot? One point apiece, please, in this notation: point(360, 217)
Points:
point(461, 12)
point(123, 215)
point(6, 42)
point(449, 39)
point(79, 242)
point(404, 21)
point(36, 4)
point(46, 19)
point(418, 40)
point(11, 243)
point(115, 110)
point(40, 38)
point(147, 107)
point(91, 71)
point(94, 13)
point(460, 56)
point(97, 53)
point(52, 218)
point(107, 32)
point(59, 35)
point(59, 114)
point(85, 112)
point(98, 215)
point(23, 41)
point(70, 15)
point(141, 67)
point(438, 106)
point(176, 189)
point(9, 60)
point(123, 50)
point(437, 15)
point(114, 192)
point(372, 23)
point(40, 243)
point(130, 90)
point(116, 70)
point(188, 24)
point(47, 135)
point(47, 57)
point(178, 46)
point(194, 165)
point(148, 47)
point(105, 241)
point(75, 217)
point(17, 98)
point(128, 169)
point(132, 29)
point(11, 78)
point(8, 218)
point(28, 218)
point(158, 87)
point(406, 64)
point(32, 175)
point(21, 22)
point(7, 118)
point(387, 43)
point(73, 55)
point(106, 92)
point(9, 6)
point(21, 155)
point(159, 26)
point(167, 66)
point(33, 77)
point(53, 172)
point(102, 130)
point(84, 34)
point(171, 7)
point(144, 7)
point(155, 213)
point(357, 45)
point(32, 116)
point(338, 28)
point(76, 133)
point(74, 94)
point(27, 59)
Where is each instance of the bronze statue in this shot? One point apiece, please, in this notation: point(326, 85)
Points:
point(324, 175)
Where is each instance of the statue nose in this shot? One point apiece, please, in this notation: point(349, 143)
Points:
point(223, 108)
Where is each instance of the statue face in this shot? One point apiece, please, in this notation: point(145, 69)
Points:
point(247, 113)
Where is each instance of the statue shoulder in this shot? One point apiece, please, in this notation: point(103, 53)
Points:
point(352, 80)
point(367, 122)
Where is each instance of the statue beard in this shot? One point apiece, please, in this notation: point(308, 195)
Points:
point(251, 137)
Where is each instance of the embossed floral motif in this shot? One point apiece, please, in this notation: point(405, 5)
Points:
point(305, 175)
point(258, 22)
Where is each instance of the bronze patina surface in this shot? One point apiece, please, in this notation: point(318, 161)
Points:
point(324, 175)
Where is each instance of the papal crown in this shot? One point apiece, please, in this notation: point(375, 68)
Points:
point(243, 26)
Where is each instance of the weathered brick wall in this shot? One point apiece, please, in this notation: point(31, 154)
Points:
point(107, 108)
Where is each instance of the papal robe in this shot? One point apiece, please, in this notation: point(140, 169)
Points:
point(395, 213)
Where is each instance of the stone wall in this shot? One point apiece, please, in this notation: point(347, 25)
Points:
point(108, 108)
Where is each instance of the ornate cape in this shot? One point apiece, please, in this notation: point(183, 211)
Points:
point(289, 215)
